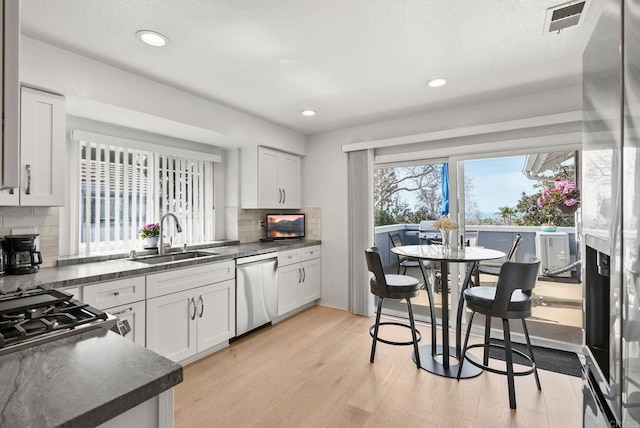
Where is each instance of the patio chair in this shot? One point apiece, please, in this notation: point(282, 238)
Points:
point(403, 261)
point(493, 267)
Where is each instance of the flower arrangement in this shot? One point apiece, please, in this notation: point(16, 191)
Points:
point(150, 231)
point(445, 223)
point(563, 193)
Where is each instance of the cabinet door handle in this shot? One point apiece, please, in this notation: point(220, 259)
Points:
point(28, 189)
point(299, 275)
point(284, 196)
point(304, 275)
point(193, 302)
point(122, 312)
point(280, 196)
point(201, 300)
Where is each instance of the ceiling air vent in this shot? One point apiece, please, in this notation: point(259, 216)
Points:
point(564, 16)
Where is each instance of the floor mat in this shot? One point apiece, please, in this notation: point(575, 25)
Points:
point(546, 359)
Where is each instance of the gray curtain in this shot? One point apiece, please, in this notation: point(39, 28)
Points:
point(361, 226)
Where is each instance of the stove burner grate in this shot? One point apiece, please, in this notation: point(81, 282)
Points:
point(28, 314)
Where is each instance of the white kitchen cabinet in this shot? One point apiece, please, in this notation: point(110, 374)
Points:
point(310, 285)
point(123, 298)
point(183, 323)
point(9, 93)
point(180, 325)
point(135, 315)
point(216, 314)
point(298, 278)
point(270, 180)
point(42, 151)
point(289, 278)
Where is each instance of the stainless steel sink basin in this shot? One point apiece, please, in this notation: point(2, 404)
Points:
point(156, 259)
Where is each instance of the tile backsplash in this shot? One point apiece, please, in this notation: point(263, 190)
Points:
point(249, 221)
point(45, 222)
point(41, 220)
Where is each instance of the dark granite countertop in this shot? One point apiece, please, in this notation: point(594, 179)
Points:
point(80, 381)
point(72, 275)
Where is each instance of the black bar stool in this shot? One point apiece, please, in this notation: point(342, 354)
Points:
point(392, 287)
point(509, 299)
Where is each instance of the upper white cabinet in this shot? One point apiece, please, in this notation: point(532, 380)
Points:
point(42, 151)
point(271, 179)
point(9, 93)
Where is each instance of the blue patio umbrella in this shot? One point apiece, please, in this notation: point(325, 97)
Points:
point(444, 176)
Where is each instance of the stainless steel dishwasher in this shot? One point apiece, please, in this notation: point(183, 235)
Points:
point(256, 291)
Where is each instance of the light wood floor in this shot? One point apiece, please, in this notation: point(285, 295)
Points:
point(313, 370)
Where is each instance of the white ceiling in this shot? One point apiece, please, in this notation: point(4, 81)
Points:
point(354, 61)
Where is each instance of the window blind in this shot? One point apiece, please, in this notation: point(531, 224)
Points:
point(122, 189)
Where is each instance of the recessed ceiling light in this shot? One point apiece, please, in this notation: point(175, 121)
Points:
point(436, 83)
point(308, 113)
point(152, 38)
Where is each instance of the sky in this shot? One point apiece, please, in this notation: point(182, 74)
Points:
point(497, 182)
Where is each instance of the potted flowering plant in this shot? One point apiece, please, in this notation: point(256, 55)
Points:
point(151, 233)
point(564, 195)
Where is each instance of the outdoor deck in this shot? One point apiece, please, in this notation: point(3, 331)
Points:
point(557, 311)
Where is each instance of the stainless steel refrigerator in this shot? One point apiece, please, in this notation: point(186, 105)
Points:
point(610, 210)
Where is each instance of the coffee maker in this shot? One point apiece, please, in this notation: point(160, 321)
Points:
point(22, 254)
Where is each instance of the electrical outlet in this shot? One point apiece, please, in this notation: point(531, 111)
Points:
point(261, 224)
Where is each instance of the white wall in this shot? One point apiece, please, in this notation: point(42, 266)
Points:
point(325, 167)
point(101, 92)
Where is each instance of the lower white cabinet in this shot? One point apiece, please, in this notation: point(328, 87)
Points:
point(180, 325)
point(298, 278)
point(134, 314)
point(123, 298)
point(289, 278)
point(310, 285)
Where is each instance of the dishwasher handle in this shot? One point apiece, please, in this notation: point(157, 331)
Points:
point(260, 258)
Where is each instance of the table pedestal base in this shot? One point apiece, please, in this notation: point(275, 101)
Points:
point(433, 363)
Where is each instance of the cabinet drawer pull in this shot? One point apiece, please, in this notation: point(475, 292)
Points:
point(201, 300)
point(116, 293)
point(122, 311)
point(193, 302)
point(28, 189)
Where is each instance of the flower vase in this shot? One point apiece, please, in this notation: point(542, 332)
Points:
point(446, 239)
point(151, 241)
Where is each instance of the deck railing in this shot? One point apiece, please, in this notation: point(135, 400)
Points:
point(494, 236)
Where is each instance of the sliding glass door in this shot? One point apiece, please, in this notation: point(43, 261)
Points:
point(493, 198)
point(504, 196)
point(408, 198)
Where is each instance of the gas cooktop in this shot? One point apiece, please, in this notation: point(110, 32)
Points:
point(42, 314)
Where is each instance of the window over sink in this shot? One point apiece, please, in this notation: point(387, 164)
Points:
point(121, 187)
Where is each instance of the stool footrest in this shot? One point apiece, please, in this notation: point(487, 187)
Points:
point(388, 342)
point(497, 371)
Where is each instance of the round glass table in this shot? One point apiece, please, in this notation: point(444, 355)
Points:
point(438, 360)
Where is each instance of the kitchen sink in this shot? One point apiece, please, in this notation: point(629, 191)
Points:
point(164, 258)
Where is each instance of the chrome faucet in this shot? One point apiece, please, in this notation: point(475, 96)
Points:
point(161, 243)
